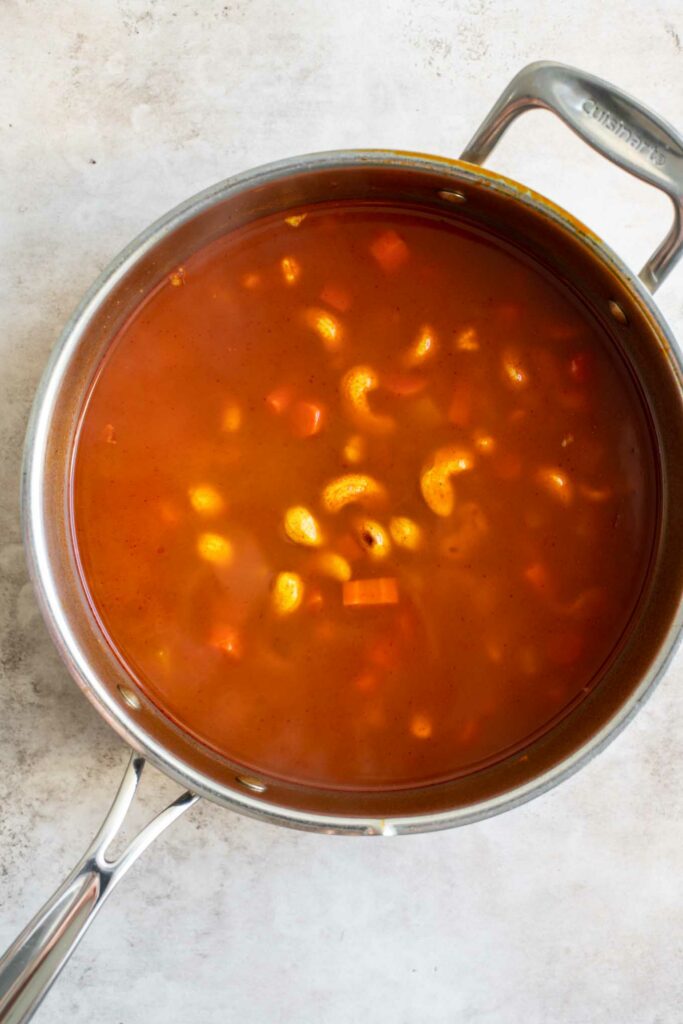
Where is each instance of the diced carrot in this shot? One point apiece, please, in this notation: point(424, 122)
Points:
point(378, 590)
point(390, 251)
point(337, 297)
point(229, 641)
point(404, 384)
point(307, 419)
point(460, 409)
point(278, 401)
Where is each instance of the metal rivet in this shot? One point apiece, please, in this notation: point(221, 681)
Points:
point(452, 195)
point(617, 312)
point(131, 699)
point(249, 782)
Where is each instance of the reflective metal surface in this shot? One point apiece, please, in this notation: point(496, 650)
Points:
point(613, 123)
point(35, 958)
point(472, 196)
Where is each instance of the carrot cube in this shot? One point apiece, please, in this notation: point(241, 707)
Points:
point(379, 590)
point(307, 419)
point(390, 251)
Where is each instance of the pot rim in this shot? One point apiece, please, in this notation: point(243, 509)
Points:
point(34, 470)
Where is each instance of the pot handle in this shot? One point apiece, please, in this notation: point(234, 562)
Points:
point(613, 123)
point(35, 958)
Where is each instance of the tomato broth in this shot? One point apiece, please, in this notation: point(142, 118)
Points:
point(363, 499)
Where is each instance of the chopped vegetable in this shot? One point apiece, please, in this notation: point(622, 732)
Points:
point(329, 563)
point(390, 251)
point(307, 419)
point(228, 640)
point(378, 590)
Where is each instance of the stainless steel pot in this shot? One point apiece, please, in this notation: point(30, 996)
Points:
point(623, 131)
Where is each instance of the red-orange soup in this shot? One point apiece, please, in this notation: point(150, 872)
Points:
point(363, 499)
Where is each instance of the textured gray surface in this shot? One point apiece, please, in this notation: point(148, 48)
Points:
point(568, 910)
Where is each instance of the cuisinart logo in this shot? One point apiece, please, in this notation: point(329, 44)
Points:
point(622, 131)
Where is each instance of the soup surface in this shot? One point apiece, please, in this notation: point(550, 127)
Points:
point(363, 499)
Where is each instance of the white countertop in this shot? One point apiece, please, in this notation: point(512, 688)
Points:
point(566, 911)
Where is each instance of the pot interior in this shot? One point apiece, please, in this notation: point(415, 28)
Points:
point(471, 199)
